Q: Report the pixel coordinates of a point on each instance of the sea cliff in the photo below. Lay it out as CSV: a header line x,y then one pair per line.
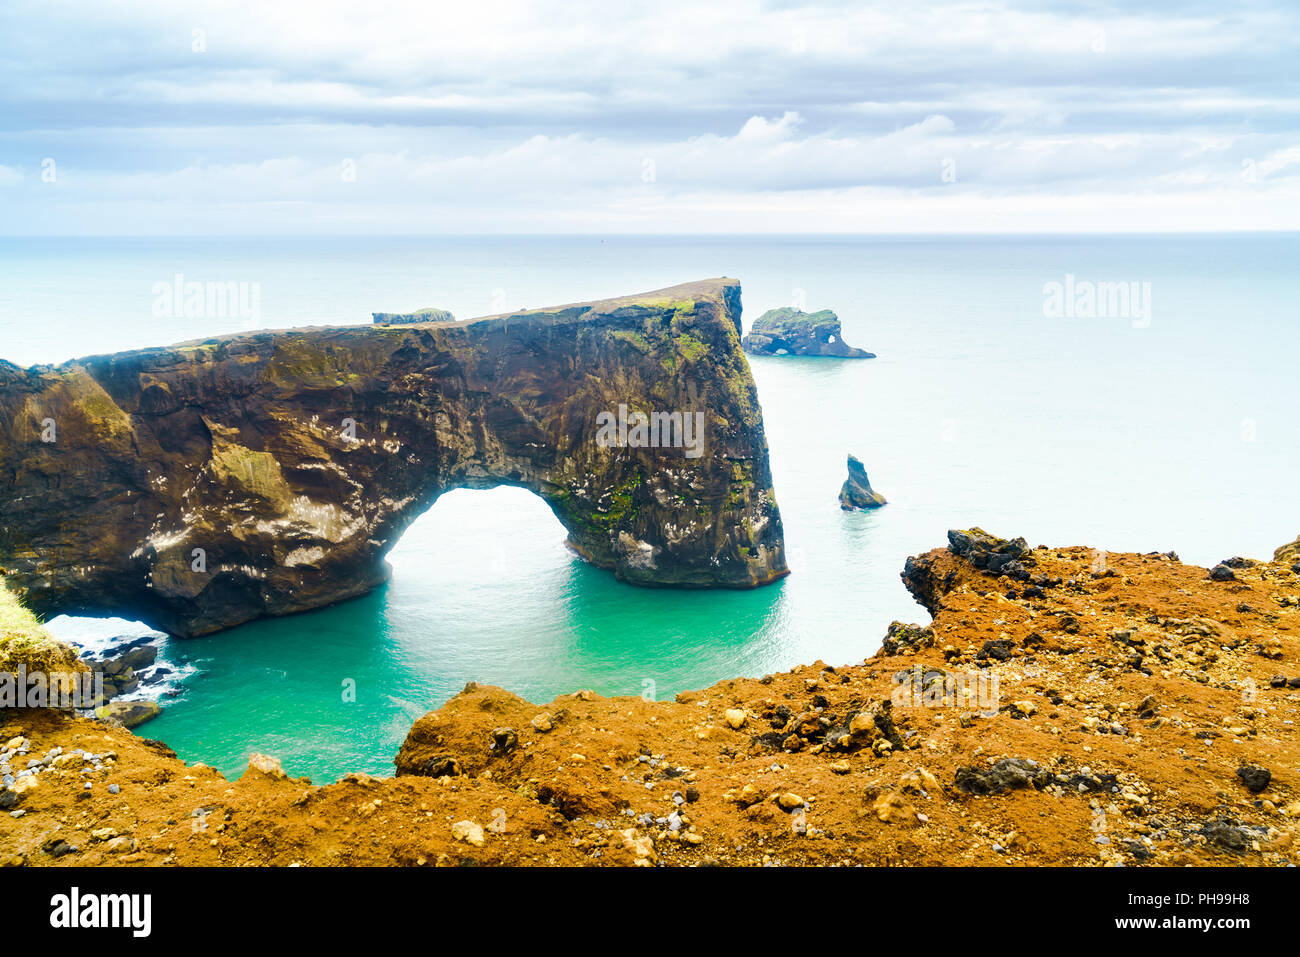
x,y
203,485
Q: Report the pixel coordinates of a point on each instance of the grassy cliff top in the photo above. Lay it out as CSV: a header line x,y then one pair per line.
x,y
787,317
24,640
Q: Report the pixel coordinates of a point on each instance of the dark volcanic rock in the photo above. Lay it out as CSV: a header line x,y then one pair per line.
x,y
1005,775
206,484
504,739
856,493
405,318
1222,573
998,649
140,657
929,577
1255,778
788,331
987,551
900,636
441,765
1230,835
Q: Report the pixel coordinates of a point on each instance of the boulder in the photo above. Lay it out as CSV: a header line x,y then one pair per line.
x,y
133,660
1222,573
468,831
266,766
1290,552
128,714
1254,777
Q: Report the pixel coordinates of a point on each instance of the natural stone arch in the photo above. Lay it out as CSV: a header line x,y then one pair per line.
x,y
293,460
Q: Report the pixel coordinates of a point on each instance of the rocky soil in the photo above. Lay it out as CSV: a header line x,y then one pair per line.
x,y
1143,714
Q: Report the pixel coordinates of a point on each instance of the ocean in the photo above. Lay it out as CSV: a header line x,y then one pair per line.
x,y
1160,417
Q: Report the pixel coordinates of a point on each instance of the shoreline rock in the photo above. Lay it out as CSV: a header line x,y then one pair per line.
x,y
128,714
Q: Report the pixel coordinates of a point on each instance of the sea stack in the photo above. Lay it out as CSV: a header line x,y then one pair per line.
x,y
857,493
406,318
792,332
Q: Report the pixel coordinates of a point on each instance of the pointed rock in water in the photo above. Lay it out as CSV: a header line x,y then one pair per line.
x,y
787,331
203,485
406,318
857,493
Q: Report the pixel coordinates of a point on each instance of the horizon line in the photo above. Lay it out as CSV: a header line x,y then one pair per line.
x,y
911,234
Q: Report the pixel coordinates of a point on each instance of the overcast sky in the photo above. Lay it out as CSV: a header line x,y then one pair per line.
x,y
574,116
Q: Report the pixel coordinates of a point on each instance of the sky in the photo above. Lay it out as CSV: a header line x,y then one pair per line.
x,y
497,116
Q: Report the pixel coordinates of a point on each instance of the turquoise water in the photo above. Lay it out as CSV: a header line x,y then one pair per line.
x,y
1180,434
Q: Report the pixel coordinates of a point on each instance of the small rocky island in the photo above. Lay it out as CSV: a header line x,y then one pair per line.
x,y
408,318
792,332
857,493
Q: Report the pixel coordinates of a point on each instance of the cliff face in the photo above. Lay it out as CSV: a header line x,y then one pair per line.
x,y
203,485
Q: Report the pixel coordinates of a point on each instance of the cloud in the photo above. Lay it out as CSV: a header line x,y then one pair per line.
x,y
240,115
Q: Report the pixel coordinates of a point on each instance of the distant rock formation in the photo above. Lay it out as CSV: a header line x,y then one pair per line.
x,y
1290,552
420,315
206,484
857,493
787,331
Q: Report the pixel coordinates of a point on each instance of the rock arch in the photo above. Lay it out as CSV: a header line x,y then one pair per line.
x,y
207,484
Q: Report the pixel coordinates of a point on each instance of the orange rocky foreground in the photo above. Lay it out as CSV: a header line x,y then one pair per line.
x,y
1064,708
